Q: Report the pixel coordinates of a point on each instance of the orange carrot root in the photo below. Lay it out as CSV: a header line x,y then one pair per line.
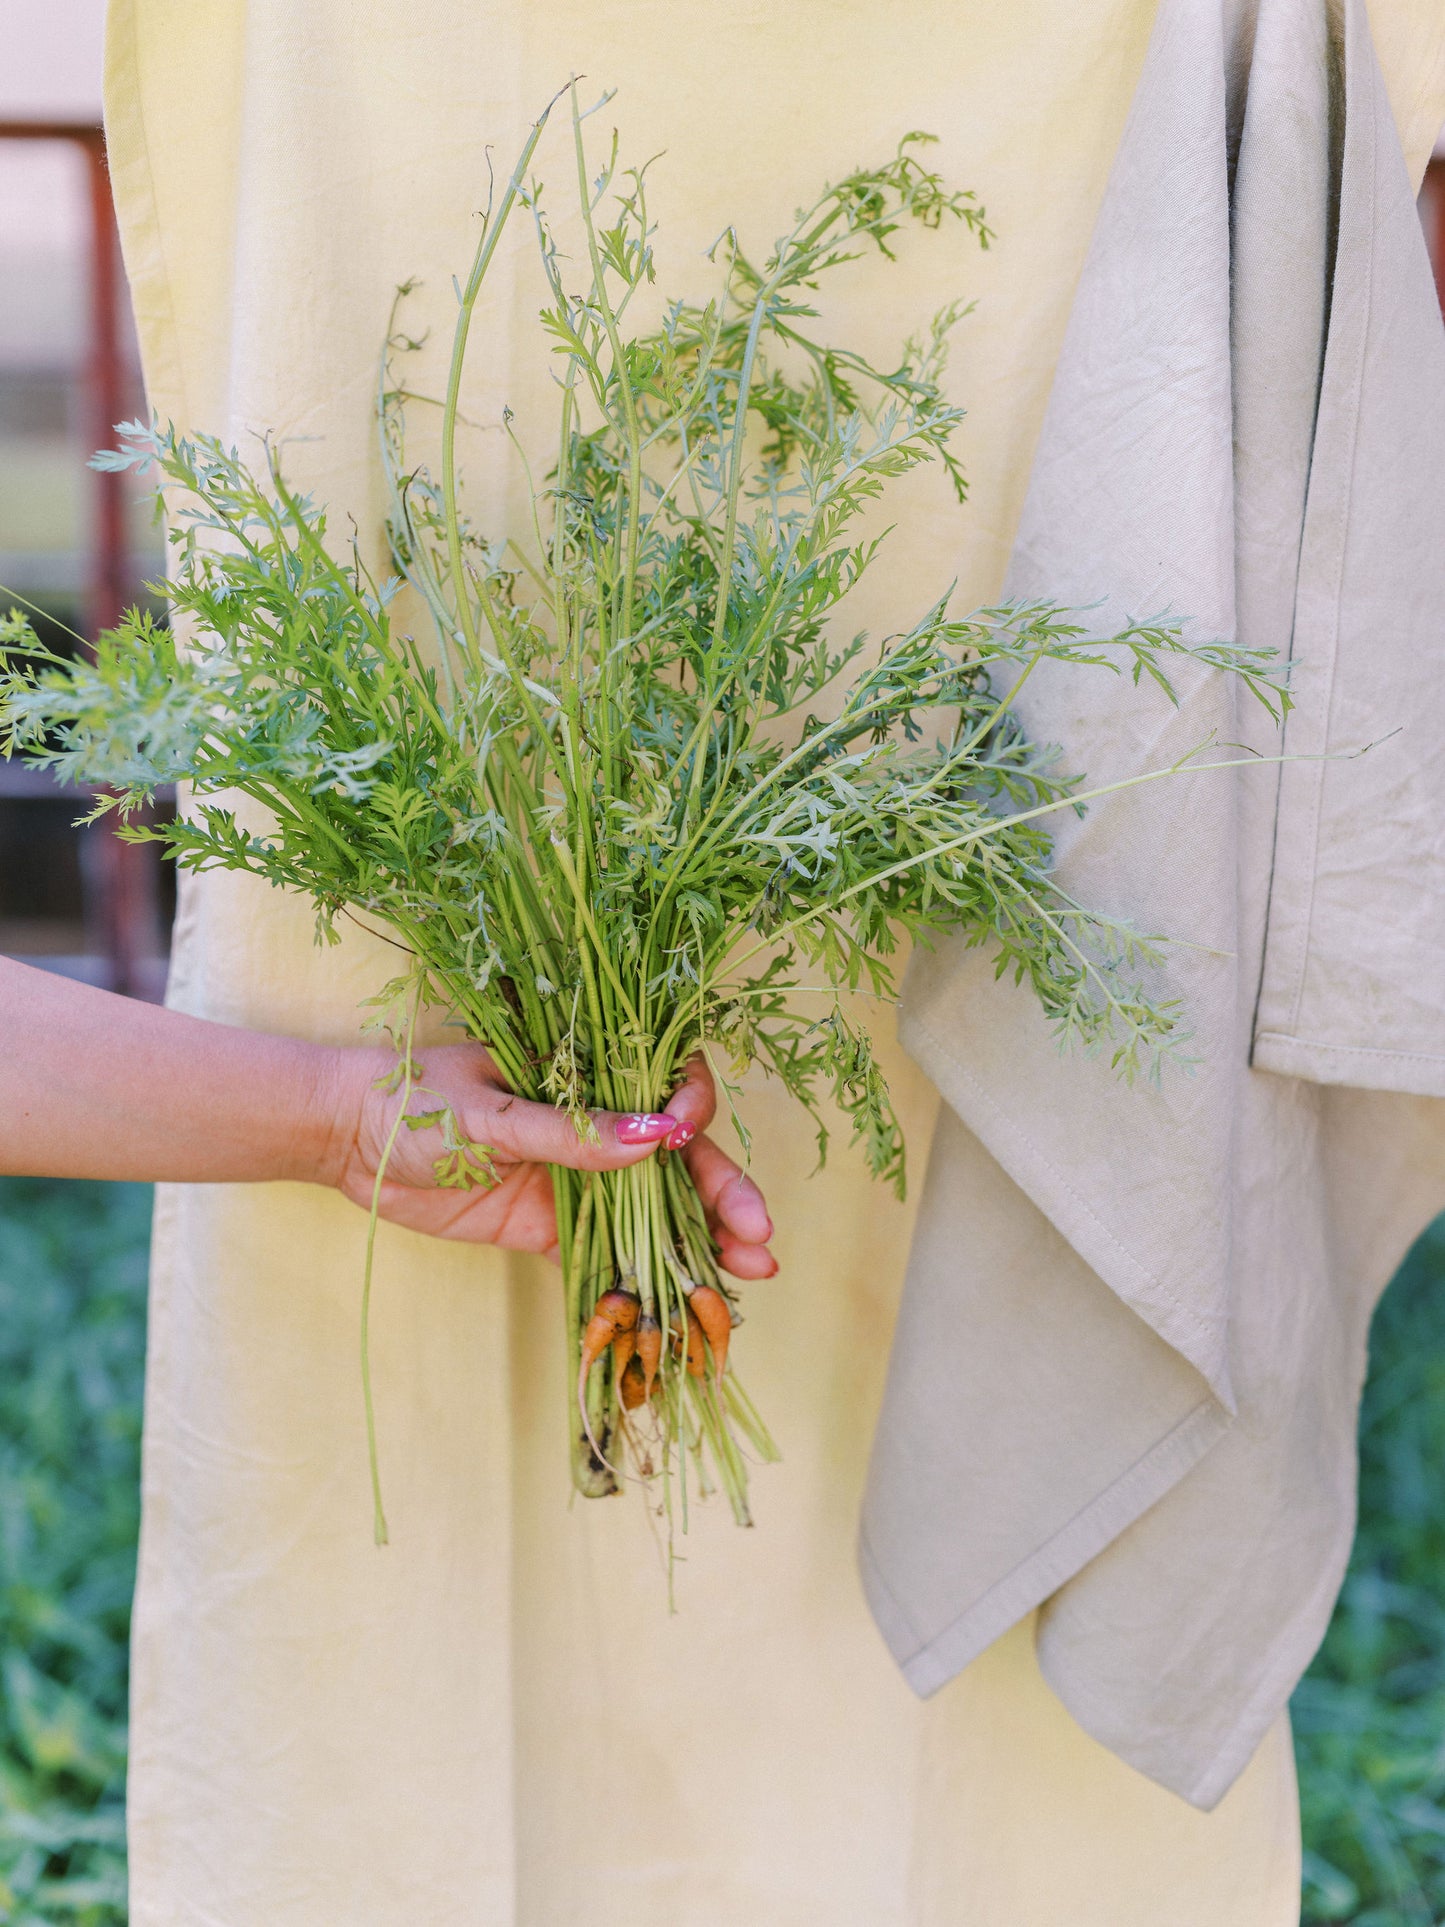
x,y
624,1348
633,1386
696,1344
616,1311
714,1314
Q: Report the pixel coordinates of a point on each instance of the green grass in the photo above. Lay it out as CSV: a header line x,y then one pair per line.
x,y
72,1337
1370,1716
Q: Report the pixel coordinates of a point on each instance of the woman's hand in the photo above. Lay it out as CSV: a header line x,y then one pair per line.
x,y
522,1138
98,1086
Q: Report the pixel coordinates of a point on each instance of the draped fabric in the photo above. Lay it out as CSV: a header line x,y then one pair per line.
x,y
1247,428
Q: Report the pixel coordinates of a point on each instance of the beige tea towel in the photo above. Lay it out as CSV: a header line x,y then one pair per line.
x,y
1142,1410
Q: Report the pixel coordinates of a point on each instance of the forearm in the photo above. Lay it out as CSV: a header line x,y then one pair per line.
x,y
98,1086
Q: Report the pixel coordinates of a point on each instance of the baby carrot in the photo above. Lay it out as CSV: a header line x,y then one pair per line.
x,y
696,1344
615,1311
649,1349
632,1385
714,1314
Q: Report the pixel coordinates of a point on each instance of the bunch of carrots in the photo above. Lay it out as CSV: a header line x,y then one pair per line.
x,y
635,1336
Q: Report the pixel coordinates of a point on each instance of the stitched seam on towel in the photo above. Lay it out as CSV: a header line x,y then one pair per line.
x,y
1159,1447
1353,1050
1189,1317
1312,839
1266,1690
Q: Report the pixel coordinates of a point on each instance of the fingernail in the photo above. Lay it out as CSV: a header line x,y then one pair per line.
x,y
681,1134
645,1127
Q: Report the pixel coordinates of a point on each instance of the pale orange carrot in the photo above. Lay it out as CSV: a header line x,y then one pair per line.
x,y
696,1344
649,1349
632,1385
714,1314
615,1311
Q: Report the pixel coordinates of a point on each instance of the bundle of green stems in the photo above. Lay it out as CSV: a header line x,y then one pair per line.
x,y
634,796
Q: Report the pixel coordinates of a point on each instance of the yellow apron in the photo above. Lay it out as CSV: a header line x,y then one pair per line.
x,y
494,1723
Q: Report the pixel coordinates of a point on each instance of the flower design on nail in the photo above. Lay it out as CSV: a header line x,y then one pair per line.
x,y
644,1127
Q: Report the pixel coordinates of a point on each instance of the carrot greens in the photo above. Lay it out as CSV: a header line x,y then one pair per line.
x,y
634,787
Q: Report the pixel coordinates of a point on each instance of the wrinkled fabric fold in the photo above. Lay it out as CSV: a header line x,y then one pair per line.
x,y
1246,431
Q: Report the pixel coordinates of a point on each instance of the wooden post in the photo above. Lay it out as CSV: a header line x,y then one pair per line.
x,y
105,398
127,907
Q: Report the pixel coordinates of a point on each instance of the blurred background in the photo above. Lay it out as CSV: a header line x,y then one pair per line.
x,y
1370,1716
76,544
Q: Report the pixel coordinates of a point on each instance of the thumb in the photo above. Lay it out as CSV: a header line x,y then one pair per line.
x,y
526,1132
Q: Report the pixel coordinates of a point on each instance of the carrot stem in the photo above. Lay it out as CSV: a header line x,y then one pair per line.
x,y
408,1084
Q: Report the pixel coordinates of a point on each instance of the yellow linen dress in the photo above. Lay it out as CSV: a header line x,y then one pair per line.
x,y
494,1722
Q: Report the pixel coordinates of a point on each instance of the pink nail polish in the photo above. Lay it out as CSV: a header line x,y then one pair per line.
x,y
645,1127
682,1134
